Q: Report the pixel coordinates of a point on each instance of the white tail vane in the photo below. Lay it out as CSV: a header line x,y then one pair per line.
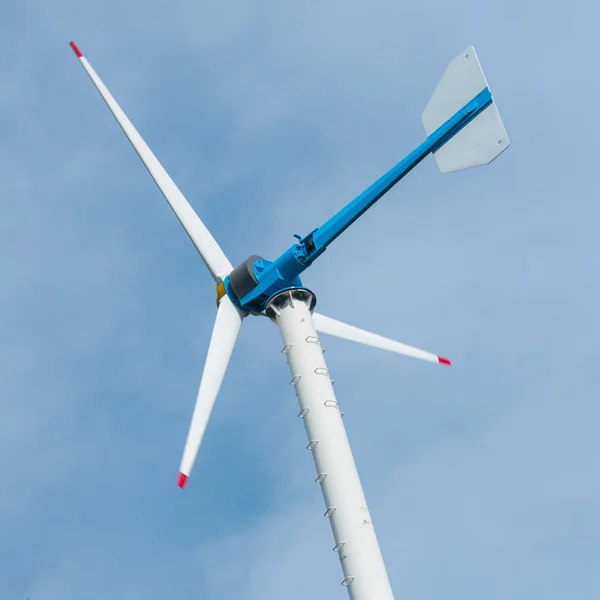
x,y
336,328
482,140
222,342
209,250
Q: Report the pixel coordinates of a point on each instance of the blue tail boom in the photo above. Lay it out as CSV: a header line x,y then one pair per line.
x,y
284,272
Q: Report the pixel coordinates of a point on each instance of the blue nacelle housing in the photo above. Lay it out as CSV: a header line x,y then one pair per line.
x,y
252,284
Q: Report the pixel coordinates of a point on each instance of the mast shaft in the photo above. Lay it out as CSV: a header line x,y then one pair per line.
x,y
346,508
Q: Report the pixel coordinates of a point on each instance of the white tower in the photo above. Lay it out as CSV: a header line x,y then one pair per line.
x,y
345,503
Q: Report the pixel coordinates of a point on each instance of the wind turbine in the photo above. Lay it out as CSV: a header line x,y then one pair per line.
x,y
464,130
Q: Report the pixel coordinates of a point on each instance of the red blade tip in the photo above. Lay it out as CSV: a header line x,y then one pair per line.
x,y
76,49
444,361
182,480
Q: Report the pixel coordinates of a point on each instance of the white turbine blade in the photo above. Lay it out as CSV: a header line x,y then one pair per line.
x,y
354,334
209,250
224,335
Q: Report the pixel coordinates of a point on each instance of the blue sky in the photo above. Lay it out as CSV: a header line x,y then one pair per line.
x,y
482,479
